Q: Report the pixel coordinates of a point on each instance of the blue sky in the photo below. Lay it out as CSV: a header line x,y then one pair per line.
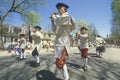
x,y
97,12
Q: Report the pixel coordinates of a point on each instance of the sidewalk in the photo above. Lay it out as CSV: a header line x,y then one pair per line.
x,y
4,53
112,55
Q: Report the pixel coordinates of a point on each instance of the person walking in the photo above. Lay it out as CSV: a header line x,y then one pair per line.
x,y
22,46
99,43
36,36
62,25
84,46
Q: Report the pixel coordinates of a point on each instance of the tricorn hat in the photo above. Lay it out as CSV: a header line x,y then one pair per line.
x,y
97,35
84,28
61,4
22,35
37,27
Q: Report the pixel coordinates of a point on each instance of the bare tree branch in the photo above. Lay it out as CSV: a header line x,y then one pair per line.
x,y
19,5
13,3
18,12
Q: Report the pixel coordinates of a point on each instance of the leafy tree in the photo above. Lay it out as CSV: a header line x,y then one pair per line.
x,y
115,30
92,31
16,6
81,23
33,19
91,28
116,12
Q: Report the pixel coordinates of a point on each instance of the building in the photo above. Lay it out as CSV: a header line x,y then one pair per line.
x,y
12,32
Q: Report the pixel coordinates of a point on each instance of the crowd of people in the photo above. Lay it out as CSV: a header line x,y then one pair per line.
x,y
62,24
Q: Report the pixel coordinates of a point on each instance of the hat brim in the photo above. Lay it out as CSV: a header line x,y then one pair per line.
x,y
37,27
84,28
62,4
22,35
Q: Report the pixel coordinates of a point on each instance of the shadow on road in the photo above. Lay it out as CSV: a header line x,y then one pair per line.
x,y
74,65
18,58
100,69
46,75
31,63
92,54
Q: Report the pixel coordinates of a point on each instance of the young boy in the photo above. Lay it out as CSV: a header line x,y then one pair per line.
x,y
22,46
16,47
84,45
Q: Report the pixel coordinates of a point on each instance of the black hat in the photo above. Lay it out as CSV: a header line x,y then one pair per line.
x,y
97,35
61,4
22,35
37,27
84,28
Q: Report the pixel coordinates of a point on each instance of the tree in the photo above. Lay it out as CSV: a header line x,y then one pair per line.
x,y
92,31
16,6
91,28
116,12
115,30
32,19
81,23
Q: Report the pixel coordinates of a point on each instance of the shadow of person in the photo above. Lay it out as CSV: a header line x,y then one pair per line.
x,y
92,54
46,75
18,58
73,65
31,63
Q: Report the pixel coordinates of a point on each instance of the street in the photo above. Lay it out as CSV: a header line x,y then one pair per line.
x,y
105,68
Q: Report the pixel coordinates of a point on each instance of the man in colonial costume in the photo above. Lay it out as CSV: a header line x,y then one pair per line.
x,y
99,44
62,25
36,36
84,46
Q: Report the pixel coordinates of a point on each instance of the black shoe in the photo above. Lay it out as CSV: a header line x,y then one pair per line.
x,y
24,58
38,64
12,55
21,59
99,56
59,79
84,68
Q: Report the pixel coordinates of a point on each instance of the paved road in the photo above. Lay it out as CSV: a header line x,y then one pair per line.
x,y
106,68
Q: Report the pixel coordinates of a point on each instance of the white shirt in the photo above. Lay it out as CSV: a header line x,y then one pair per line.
x,y
64,24
99,41
37,36
84,41
22,43
16,43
